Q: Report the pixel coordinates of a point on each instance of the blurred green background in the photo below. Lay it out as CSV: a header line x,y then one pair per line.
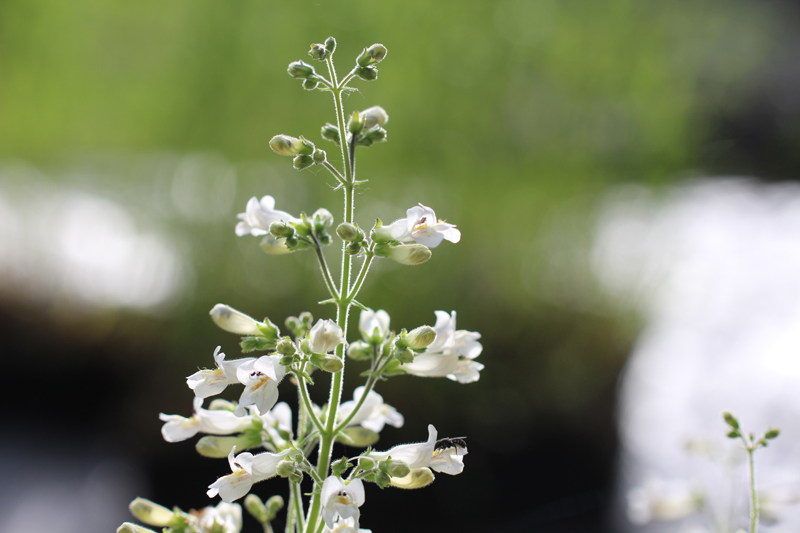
x,y
512,119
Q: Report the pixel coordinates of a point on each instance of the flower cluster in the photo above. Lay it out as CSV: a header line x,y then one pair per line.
x,y
258,434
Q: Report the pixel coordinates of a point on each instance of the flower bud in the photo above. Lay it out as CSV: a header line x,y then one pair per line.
x,y
218,404
419,338
340,466
151,513
325,336
280,229
356,123
406,254
330,133
374,135
772,433
320,156
289,146
329,363
286,346
730,419
286,468
128,527
310,84
382,479
306,318
330,45
300,70
302,161
218,447
234,321
416,479
274,504
322,219
318,52
375,116
354,248
349,232
367,73
359,436
360,350
405,355
366,463
372,55
256,508
395,468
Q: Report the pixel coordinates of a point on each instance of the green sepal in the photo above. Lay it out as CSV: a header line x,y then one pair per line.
x,y
328,301
360,305
261,344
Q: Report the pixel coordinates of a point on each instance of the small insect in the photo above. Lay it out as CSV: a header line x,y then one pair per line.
x,y
455,442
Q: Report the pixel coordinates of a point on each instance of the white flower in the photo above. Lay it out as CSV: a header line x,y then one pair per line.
x,y
207,382
374,325
259,215
662,501
442,458
214,422
247,469
374,116
341,500
345,525
277,420
325,336
451,354
226,517
235,321
373,414
421,226
260,378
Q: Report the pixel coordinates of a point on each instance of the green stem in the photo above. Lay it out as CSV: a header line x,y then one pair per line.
x,y
361,276
298,505
753,495
323,266
290,518
367,388
302,386
333,170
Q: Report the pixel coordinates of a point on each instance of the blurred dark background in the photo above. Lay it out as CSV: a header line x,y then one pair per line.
x,y
131,133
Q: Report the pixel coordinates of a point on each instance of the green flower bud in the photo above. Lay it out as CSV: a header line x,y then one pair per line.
x,y
405,355
356,123
285,346
318,52
382,479
300,70
372,55
274,504
289,146
218,447
322,219
419,338
296,477
280,229
330,45
366,463
395,468
772,433
348,232
406,254
256,508
416,479
340,466
306,318
151,513
360,437
733,434
128,527
320,156
330,133
329,363
367,73
354,248
286,468
310,84
375,135
303,161
218,404
730,419
360,350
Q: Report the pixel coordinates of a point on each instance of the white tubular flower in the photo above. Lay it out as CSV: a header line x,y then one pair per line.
x,y
340,500
325,336
374,325
345,525
224,518
420,226
451,354
247,469
213,422
260,378
259,215
662,501
373,415
207,382
442,456
235,321
276,421
374,116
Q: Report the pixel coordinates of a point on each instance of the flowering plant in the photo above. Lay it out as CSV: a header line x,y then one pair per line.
x,y
258,420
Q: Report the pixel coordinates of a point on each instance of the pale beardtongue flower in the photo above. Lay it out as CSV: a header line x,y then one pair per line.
x,y
345,525
246,469
260,378
662,501
224,518
208,382
214,422
451,354
373,414
374,116
374,325
448,460
420,226
325,336
259,215
234,321
341,500
276,420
